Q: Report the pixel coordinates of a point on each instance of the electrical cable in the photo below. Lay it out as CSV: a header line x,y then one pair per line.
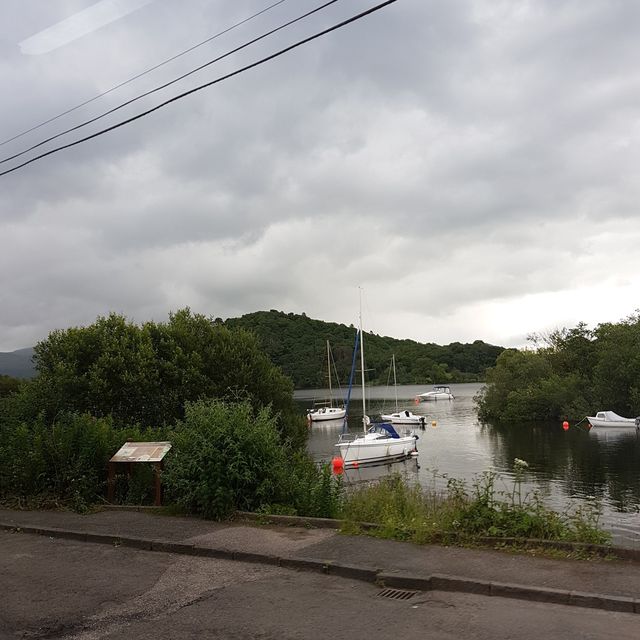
x,y
142,73
167,84
324,32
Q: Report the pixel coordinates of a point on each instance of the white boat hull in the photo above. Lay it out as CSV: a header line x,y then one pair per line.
x,y
611,420
328,413
402,418
426,397
626,423
363,451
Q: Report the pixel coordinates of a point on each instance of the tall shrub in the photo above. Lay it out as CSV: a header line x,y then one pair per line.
x,y
227,456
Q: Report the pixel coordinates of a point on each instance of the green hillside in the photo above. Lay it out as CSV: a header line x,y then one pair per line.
x,y
297,344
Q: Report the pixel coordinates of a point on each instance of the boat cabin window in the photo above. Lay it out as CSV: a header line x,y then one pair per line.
x,y
600,415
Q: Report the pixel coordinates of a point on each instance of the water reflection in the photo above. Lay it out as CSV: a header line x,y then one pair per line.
x,y
575,465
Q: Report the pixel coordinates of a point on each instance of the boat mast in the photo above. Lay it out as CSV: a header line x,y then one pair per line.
x,y
364,405
329,372
395,384
351,376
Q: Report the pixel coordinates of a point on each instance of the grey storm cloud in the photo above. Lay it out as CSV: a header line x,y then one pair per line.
x,y
469,163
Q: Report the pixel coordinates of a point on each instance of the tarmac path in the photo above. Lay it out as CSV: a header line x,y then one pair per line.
x,y
57,588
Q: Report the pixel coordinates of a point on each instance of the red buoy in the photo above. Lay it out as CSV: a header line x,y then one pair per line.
x,y
337,464
565,425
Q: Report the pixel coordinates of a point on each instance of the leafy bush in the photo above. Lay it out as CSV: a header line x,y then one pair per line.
x,y
226,456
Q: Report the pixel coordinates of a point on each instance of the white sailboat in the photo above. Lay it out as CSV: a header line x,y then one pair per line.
x,y
401,417
327,411
378,442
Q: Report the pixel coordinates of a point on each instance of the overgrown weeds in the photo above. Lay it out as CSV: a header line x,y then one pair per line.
x,y
62,465
463,513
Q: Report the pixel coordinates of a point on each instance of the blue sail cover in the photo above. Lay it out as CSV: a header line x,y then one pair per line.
x,y
384,426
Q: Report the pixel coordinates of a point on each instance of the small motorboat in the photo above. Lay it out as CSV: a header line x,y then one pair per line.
x,y
439,392
404,417
609,419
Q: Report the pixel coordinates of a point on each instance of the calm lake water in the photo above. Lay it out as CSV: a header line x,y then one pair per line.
x,y
571,467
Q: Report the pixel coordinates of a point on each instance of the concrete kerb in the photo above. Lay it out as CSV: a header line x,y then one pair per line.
x,y
434,582
404,581
294,521
532,543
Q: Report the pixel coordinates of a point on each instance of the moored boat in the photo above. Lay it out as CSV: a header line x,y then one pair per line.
x,y
439,392
404,417
328,411
401,417
610,419
381,443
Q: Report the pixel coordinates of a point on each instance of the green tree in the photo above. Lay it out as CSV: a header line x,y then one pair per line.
x,y
571,373
616,374
8,385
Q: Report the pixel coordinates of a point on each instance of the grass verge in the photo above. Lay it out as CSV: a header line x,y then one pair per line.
x,y
463,514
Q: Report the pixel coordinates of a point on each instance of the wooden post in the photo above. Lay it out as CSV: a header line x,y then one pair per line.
x,y
157,467
111,481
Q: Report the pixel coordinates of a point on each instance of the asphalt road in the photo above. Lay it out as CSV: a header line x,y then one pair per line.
x,y
54,588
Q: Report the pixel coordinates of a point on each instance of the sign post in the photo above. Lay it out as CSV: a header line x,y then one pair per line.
x,y
134,452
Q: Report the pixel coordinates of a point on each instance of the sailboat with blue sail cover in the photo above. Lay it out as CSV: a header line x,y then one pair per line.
x,y
379,442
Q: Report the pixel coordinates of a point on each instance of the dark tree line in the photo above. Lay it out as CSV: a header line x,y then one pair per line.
x,y
297,344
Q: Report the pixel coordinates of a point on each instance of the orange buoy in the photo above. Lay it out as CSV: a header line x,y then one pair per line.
x,y
434,424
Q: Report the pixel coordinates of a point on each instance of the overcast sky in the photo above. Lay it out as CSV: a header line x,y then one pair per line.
x,y
472,164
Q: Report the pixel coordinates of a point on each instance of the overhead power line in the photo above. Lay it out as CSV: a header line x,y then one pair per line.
x,y
167,84
277,54
142,73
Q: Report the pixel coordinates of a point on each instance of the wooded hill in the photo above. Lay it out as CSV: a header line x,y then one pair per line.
x,y
297,344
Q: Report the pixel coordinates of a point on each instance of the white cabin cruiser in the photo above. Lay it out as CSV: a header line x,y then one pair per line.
x,y
439,392
609,419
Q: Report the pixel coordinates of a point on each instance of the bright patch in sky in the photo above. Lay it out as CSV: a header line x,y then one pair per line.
x,y
79,24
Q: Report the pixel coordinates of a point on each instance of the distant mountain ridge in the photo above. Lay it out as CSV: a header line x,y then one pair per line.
x,y
297,344
17,364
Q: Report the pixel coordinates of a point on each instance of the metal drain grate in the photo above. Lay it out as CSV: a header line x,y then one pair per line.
x,y
396,594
